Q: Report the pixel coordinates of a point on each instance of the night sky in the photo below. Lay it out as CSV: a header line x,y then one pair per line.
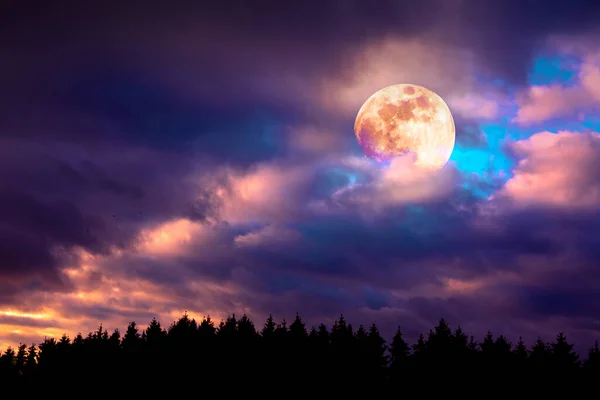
x,y
162,158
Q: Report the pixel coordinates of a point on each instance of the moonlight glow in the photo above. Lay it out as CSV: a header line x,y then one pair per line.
x,y
406,118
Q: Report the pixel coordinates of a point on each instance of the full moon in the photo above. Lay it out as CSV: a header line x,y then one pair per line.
x,y
403,119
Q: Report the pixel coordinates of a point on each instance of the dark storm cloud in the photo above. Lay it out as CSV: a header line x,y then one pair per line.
x,y
56,197
413,235
553,301
122,62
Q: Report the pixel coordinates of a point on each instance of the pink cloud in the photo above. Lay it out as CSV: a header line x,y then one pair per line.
x,y
542,103
268,192
556,169
590,78
475,105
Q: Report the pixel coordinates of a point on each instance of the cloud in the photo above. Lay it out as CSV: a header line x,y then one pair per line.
x,y
546,102
57,197
553,170
390,61
316,141
542,103
475,106
267,192
269,235
402,182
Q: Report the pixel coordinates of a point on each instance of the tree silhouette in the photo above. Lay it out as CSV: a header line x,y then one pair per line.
x,y
30,362
246,329
297,350
341,342
132,340
298,329
269,327
188,351
20,359
439,346
154,336
502,353
463,349
520,355
488,350
377,360
7,364
420,353
539,355
399,355
562,354
592,364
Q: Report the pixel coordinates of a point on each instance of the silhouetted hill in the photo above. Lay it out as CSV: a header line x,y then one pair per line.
x,y
236,352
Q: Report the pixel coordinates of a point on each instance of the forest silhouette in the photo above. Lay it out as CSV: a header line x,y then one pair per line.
x,y
237,352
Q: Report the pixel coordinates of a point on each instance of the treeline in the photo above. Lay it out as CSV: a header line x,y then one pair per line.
x,y
236,351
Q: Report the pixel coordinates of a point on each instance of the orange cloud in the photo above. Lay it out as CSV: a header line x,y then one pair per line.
x,y
112,290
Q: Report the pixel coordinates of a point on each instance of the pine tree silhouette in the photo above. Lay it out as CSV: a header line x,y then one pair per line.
x,y
592,364
488,350
269,327
207,329
31,362
115,339
298,329
420,359
502,354
463,351
7,364
246,329
378,360
440,345
562,355
20,359
298,350
520,354
539,355
399,356
154,335
235,351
